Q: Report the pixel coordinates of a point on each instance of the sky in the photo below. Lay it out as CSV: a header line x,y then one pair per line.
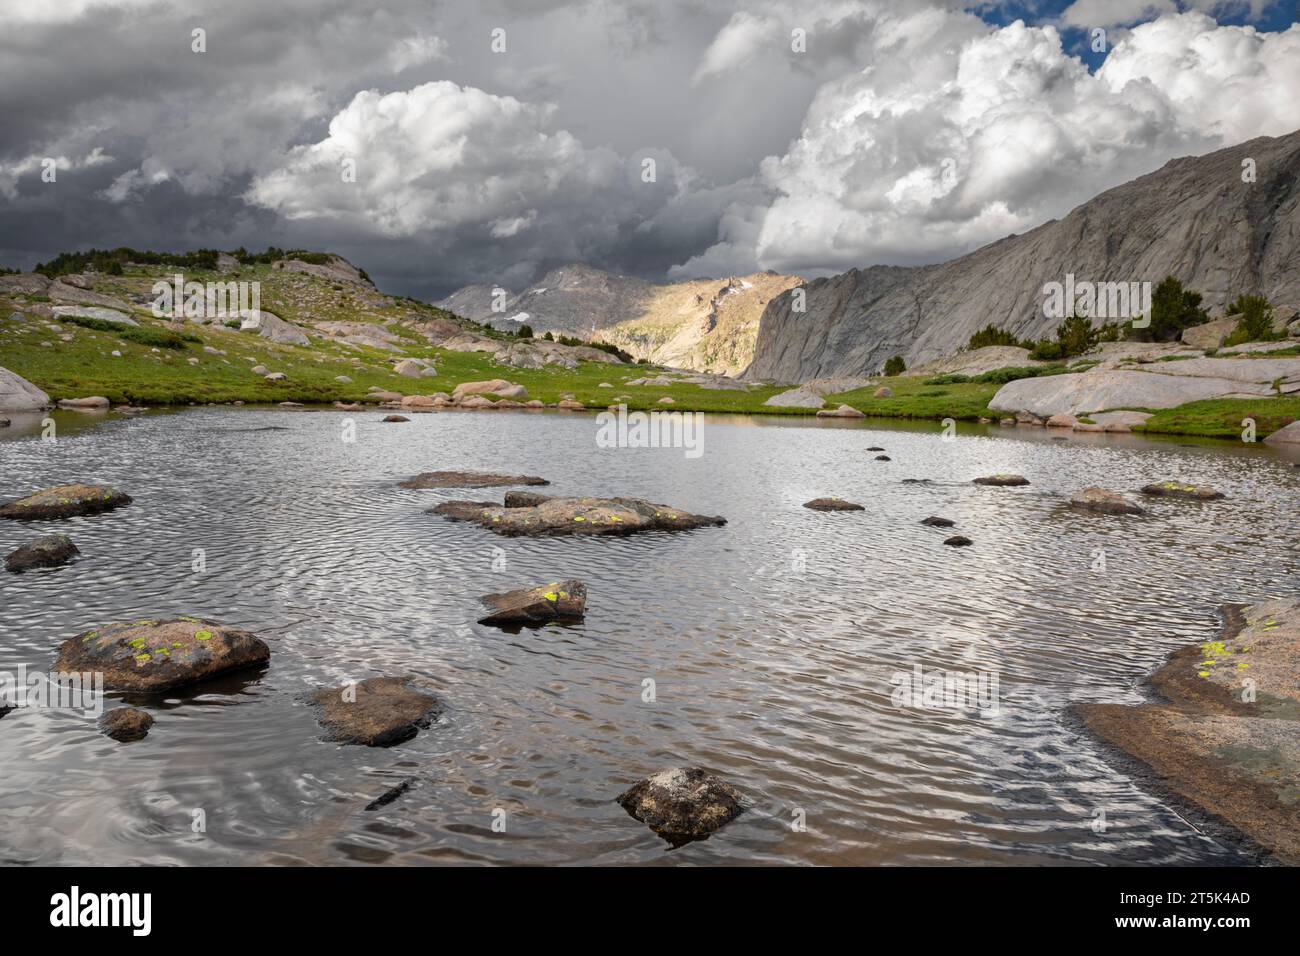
x,y
446,143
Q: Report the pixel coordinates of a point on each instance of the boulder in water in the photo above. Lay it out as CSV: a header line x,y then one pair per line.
x,y
833,504
47,552
65,501
126,724
151,656
682,804
378,712
1180,489
469,479
1106,502
546,517
1002,481
559,600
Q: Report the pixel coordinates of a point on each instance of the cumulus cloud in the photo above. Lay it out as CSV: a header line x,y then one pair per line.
x,y
957,133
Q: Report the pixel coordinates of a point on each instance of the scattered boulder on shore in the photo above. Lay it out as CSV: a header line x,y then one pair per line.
x,y
377,712
48,552
936,522
546,516
1062,420
844,411
1106,502
126,724
559,600
1179,489
469,479
833,504
151,656
19,395
682,804
801,397
1003,481
65,501
958,541
1288,435
495,386
91,402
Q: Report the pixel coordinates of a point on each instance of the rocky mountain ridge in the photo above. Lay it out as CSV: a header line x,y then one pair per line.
x,y
1196,218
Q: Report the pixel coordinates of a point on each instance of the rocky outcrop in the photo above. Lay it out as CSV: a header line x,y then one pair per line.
x,y
469,479
976,362
271,327
151,656
126,724
116,316
48,552
19,395
1220,731
334,269
1180,220
65,501
557,601
683,804
378,712
1099,389
542,516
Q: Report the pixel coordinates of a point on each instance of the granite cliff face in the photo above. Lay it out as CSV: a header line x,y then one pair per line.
x,y
1194,218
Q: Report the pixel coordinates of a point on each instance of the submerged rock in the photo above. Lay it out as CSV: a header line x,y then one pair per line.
x,y
833,504
1003,481
545,516
377,712
682,804
1107,502
1178,489
158,655
469,479
958,541
65,501
936,522
559,600
395,418
391,794
126,724
47,552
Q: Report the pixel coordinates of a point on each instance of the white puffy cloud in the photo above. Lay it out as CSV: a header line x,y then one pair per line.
x,y
956,133
36,164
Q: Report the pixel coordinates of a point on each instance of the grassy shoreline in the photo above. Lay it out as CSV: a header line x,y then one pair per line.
x,y
177,364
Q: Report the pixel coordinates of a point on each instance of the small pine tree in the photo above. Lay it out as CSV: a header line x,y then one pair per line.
x,y
895,366
1256,322
525,332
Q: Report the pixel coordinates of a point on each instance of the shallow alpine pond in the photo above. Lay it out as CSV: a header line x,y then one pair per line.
x,y
773,651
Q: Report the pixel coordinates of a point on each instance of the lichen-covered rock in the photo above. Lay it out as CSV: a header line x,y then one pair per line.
x,y
126,724
65,501
833,504
1180,489
377,712
469,479
47,552
559,600
1107,502
151,656
545,516
682,804
1002,481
